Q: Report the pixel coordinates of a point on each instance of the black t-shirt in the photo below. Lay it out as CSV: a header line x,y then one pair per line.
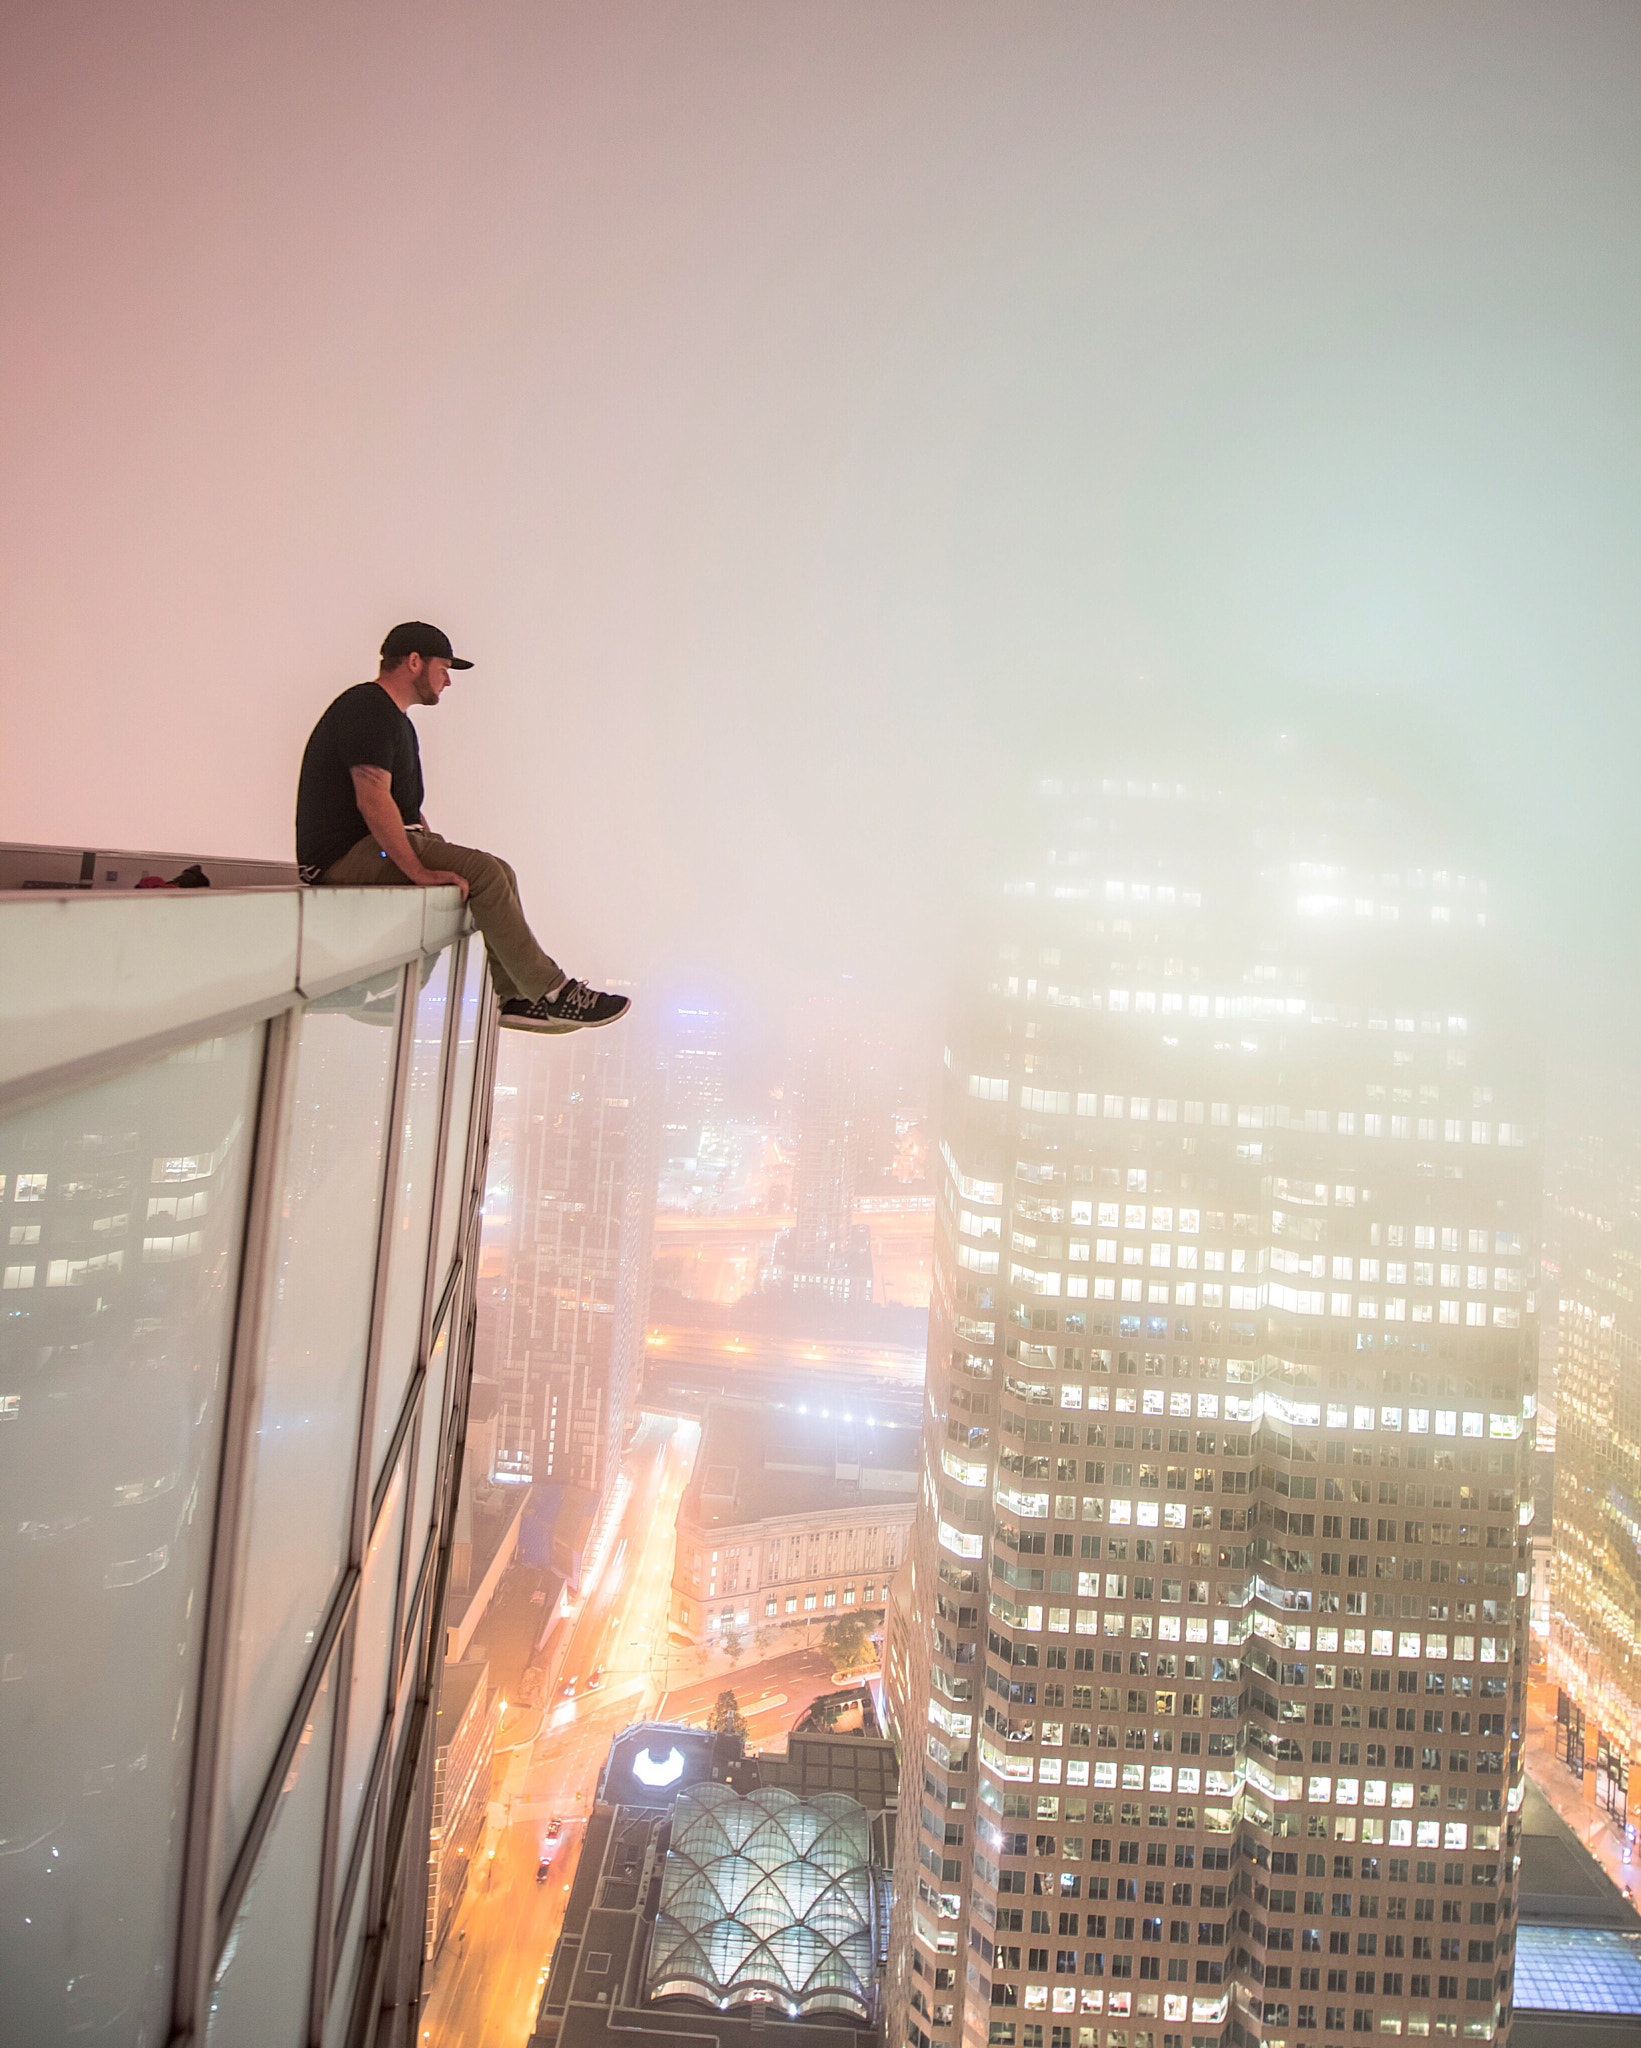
x,y
364,728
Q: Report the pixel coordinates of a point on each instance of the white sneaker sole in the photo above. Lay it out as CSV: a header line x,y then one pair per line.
x,y
535,1024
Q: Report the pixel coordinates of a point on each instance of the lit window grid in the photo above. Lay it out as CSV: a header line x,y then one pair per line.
x,y
1504,1427
1596,1587
1411,1032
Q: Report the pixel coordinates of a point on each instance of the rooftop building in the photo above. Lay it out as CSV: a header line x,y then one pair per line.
x,y
769,1898
1578,1942
243,1132
727,1898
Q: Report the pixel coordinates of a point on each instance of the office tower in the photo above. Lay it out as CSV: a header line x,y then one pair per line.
x,y
694,1080
824,1252
1212,1684
242,1139
1595,1577
565,1314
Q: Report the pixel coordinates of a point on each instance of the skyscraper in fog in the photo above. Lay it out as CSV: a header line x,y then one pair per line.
x,y
1218,1585
824,1182
825,1254
694,1079
562,1324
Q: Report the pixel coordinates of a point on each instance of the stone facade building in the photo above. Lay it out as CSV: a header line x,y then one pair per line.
x,y
789,1518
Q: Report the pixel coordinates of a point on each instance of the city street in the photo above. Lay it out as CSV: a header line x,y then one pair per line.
x,y
771,1695
488,1977
758,1351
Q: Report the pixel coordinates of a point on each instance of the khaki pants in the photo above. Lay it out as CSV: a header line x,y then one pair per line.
x,y
518,966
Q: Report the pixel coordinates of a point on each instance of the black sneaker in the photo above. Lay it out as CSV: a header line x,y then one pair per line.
x,y
572,1009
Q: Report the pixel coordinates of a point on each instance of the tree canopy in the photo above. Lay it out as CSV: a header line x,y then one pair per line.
x,y
726,1717
845,1639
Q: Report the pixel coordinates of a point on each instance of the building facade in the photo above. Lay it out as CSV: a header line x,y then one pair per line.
x,y
562,1324
785,1521
1595,1563
463,1757
1218,1584
242,1150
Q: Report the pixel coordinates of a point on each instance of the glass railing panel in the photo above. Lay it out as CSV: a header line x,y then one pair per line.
x,y
428,1457
461,1104
123,1213
347,1967
372,1646
259,1998
412,1209
407,1693
303,1453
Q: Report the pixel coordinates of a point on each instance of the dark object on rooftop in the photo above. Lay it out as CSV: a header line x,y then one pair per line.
x,y
193,877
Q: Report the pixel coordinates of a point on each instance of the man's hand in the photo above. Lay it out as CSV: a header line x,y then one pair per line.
x,y
373,792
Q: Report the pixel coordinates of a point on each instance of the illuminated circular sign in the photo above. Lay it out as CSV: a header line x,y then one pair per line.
x,y
650,1769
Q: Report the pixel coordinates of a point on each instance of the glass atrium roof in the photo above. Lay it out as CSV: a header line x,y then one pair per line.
x,y
767,1899
1577,1969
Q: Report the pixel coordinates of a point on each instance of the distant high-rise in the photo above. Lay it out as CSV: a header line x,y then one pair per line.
x,y
694,1079
824,1189
1213,1666
563,1309
824,1253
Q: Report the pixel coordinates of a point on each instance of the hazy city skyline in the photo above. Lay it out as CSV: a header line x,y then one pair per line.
x,y
815,422
1053,595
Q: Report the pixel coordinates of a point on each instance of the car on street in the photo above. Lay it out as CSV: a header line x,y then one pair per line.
x,y
568,1690
595,1679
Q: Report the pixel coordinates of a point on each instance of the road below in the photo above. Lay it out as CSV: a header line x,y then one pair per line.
x,y
488,1977
771,1695
486,1982
765,1351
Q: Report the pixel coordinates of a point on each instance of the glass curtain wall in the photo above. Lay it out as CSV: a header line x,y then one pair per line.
x,y
234,1356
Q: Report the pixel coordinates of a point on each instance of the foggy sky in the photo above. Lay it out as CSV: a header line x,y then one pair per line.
x,y
815,419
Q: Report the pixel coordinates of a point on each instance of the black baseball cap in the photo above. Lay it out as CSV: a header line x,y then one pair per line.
x,y
415,636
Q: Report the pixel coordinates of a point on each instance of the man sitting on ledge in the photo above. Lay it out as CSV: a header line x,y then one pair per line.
x,y
359,822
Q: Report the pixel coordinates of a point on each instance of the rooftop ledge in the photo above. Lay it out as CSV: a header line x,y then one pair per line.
x,y
95,971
